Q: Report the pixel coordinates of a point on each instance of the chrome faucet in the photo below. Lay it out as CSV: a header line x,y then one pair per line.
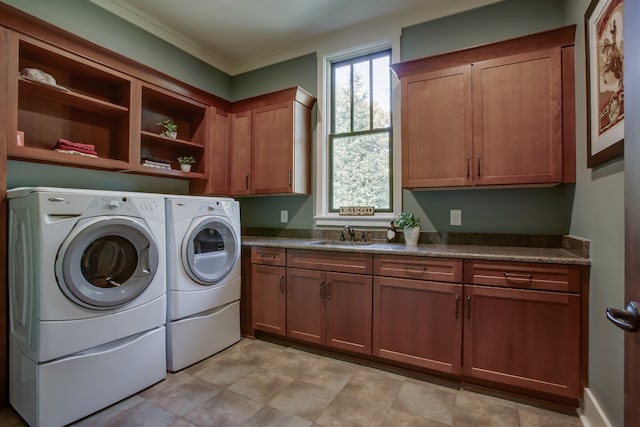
x,y
348,231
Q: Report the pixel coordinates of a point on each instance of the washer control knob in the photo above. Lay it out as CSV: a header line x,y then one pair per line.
x,y
113,205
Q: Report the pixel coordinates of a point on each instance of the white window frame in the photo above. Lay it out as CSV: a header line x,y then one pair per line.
x,y
322,215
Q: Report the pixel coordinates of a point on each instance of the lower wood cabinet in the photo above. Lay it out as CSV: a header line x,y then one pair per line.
x,y
418,322
523,338
330,308
268,290
520,327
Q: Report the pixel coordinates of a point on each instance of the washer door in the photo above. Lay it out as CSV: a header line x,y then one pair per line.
x,y
105,262
210,250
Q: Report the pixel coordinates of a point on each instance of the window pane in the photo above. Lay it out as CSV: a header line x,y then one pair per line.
x,y
342,99
381,92
361,171
361,96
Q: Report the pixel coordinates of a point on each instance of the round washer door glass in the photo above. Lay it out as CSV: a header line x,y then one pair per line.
x,y
210,250
106,262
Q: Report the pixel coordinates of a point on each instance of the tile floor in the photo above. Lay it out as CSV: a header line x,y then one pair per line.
x,y
259,383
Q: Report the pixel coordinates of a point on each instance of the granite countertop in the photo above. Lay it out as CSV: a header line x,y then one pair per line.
x,y
485,252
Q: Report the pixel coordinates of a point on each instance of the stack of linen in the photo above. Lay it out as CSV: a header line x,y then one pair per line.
x,y
69,147
155,162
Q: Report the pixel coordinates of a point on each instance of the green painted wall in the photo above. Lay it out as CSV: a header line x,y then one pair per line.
x,y
598,215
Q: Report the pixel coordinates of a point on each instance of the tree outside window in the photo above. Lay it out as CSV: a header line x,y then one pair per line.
x,y
360,143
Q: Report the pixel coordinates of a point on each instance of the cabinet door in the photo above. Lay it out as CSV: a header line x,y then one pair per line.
x,y
268,293
240,178
218,182
348,304
306,290
436,129
522,338
418,322
517,119
273,148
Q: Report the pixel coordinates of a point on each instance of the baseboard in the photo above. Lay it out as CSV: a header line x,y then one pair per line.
x,y
591,414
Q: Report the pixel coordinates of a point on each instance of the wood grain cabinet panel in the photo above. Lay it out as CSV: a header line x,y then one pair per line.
x,y
418,322
269,298
493,115
240,167
420,268
522,338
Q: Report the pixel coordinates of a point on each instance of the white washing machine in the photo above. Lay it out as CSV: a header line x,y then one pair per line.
x,y
203,278
87,300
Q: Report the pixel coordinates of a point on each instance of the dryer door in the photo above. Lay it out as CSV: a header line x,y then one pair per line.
x,y
210,250
106,262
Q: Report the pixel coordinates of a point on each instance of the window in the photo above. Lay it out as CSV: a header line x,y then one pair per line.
x,y
360,137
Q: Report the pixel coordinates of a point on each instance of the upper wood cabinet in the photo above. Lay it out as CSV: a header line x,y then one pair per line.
x,y
271,144
492,115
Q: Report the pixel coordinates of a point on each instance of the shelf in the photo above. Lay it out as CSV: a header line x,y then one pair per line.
x,y
51,156
168,173
171,141
69,98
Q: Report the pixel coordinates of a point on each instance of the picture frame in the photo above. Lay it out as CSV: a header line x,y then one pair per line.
x,y
603,22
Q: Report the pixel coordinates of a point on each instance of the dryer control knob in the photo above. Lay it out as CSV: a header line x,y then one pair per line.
x,y
113,205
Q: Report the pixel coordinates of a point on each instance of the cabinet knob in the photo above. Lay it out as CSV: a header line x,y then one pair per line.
x,y
478,165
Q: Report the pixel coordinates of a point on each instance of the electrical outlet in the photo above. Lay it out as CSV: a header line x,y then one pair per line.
x,y
455,217
284,216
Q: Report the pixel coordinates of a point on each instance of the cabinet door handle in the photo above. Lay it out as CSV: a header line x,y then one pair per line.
x,y
457,306
478,165
468,306
282,284
289,179
527,276
322,289
408,267
468,166
246,182
329,289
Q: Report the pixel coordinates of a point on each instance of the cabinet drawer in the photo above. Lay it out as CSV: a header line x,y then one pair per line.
x,y
548,277
268,256
421,268
342,262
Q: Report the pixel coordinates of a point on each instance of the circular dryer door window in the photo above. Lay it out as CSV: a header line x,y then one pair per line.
x,y
210,250
106,262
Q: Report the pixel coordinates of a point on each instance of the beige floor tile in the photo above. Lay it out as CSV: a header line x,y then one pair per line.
x,y
536,417
181,394
346,411
144,414
224,371
478,411
426,400
10,418
329,373
374,387
100,418
398,418
180,422
272,417
224,409
255,353
260,384
293,362
303,400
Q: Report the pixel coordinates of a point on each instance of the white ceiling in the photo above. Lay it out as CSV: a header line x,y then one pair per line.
x,y
240,35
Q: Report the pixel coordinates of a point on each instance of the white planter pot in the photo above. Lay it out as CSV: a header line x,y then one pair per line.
x,y
411,235
185,168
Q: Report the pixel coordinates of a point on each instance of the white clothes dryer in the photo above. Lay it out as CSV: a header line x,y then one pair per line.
x,y
87,300
203,278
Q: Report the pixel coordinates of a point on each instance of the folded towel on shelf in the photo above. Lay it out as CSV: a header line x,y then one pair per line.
x,y
158,165
60,150
64,146
156,159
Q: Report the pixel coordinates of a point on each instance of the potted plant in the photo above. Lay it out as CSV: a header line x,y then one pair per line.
x,y
186,162
170,129
410,226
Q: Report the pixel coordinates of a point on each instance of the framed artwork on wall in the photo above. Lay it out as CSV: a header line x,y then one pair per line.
x,y
605,83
